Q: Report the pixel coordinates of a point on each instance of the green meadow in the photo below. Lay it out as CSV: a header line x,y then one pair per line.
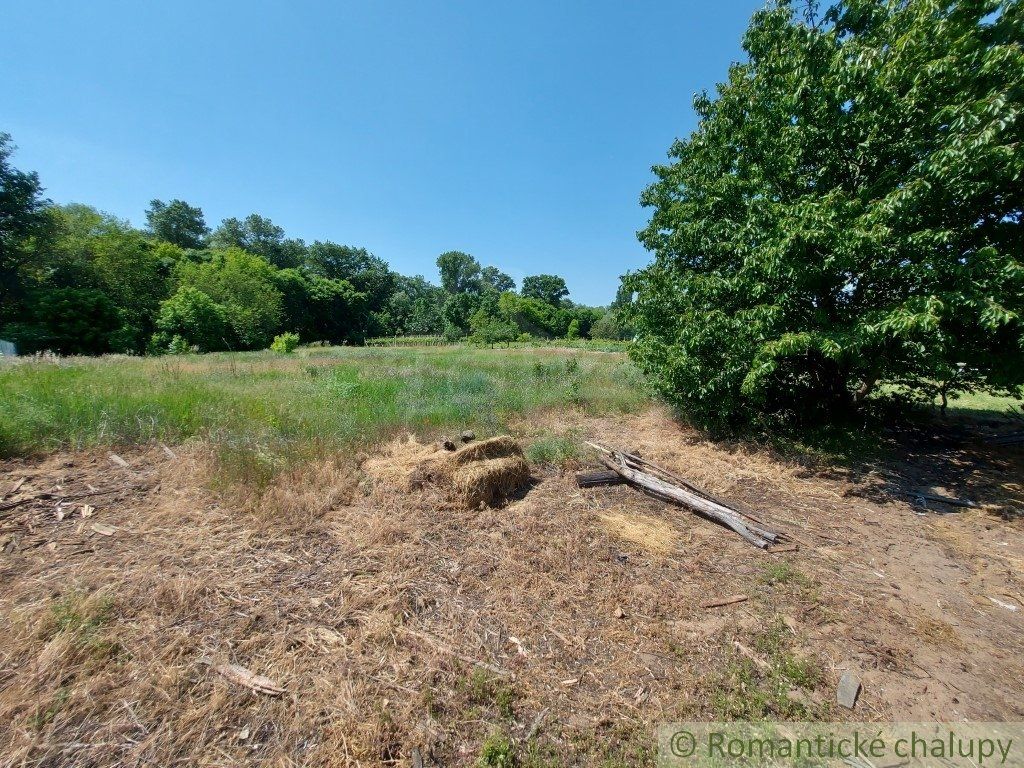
x,y
283,407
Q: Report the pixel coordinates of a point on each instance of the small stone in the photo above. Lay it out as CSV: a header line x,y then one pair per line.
x,y
619,613
448,444
468,436
848,690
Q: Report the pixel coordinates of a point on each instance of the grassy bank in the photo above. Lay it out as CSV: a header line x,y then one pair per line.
x,y
277,408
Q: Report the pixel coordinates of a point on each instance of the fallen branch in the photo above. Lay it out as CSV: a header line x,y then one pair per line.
x,y
664,485
724,601
953,502
51,496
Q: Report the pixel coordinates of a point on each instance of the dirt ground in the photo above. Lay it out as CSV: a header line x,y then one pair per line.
x,y
561,627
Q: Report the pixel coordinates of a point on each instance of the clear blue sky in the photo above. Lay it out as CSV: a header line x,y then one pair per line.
x,y
521,132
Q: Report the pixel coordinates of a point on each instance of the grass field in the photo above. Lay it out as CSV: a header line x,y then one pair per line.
x,y
272,409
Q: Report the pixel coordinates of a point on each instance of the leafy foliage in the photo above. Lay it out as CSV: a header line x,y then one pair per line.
x,y
243,285
177,223
847,213
193,316
550,289
460,272
285,343
23,220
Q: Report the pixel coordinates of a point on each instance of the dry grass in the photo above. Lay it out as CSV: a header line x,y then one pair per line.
x,y
651,533
396,619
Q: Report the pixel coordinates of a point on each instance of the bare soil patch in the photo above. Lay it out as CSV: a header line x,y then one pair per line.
x,y
567,622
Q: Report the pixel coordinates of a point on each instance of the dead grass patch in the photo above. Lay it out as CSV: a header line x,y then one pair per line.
x,y
395,619
651,533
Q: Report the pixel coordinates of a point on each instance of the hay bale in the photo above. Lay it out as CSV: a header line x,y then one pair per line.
x,y
492,448
489,481
486,472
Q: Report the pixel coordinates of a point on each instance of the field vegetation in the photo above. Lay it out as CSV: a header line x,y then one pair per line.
x,y
264,410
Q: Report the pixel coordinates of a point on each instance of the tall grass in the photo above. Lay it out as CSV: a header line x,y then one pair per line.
x,y
272,409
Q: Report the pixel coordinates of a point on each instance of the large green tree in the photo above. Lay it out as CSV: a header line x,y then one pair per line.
x,y
848,213
550,289
23,221
177,222
460,272
245,286
262,237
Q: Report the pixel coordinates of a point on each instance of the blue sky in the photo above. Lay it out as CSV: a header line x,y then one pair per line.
x,y
522,132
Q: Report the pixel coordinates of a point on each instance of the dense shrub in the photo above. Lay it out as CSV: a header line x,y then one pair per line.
x,y
285,343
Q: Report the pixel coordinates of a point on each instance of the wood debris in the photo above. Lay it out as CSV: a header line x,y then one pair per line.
x,y
598,477
14,488
242,676
1012,438
760,663
730,600
662,484
103,529
923,498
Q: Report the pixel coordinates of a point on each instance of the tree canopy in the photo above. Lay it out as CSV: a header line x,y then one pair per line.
x,y
550,289
177,223
78,281
846,215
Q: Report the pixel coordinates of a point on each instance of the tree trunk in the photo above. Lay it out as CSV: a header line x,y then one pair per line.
x,y
866,388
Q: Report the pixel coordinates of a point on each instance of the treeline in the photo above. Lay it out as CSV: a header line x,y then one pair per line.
x,y
78,281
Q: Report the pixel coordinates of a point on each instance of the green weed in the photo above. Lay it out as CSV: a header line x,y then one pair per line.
x,y
555,450
497,752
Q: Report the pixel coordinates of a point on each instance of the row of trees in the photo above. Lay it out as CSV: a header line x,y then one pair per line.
x,y
847,217
77,281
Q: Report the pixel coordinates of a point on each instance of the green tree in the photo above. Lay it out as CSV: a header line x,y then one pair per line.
x,y
368,274
494,279
457,310
177,223
847,213
490,329
244,285
607,327
23,222
550,289
533,316
319,308
460,272
260,236
573,332
68,321
193,316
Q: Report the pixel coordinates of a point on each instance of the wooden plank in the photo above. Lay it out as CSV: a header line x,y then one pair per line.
x,y
598,477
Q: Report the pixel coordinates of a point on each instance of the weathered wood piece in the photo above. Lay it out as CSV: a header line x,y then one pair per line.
x,y
730,600
598,477
635,471
242,676
952,501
